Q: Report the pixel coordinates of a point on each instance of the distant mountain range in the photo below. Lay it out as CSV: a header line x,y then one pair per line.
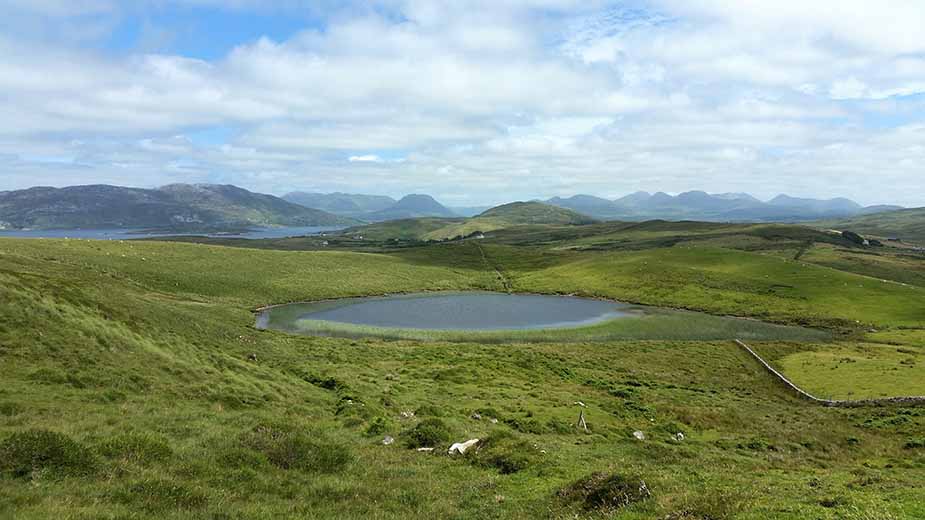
x,y
347,204
204,206
177,206
723,207
639,206
372,208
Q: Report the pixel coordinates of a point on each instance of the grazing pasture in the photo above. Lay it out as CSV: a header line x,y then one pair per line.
x,y
135,385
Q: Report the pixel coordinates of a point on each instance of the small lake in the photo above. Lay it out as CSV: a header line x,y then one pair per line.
x,y
130,234
470,311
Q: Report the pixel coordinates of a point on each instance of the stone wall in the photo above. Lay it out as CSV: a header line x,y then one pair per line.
x,y
890,401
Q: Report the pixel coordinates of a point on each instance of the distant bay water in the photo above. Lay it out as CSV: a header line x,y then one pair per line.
x,y
132,234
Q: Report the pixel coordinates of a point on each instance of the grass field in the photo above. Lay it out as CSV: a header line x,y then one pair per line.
x,y
858,371
135,386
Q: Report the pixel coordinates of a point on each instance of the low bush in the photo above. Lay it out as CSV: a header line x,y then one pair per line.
x,y
286,448
505,452
143,448
428,410
428,433
526,425
605,492
25,453
10,409
378,426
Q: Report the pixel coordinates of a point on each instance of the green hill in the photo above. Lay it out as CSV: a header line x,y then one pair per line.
x,y
501,217
906,224
174,206
537,213
402,229
511,215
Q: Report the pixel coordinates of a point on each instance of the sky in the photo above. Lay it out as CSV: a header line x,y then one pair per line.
x,y
473,102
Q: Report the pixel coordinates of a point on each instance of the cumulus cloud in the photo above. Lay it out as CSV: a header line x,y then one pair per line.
x,y
513,99
365,158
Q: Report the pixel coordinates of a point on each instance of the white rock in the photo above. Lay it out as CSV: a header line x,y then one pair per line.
x,y
461,447
679,436
639,435
388,440
427,450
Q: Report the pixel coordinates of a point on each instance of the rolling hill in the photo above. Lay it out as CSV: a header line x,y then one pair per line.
x,y
906,224
173,206
500,217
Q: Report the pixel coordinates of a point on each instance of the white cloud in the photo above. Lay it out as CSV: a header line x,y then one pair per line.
x,y
365,158
516,99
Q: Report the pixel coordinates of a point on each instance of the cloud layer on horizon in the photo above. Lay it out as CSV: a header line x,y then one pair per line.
x,y
478,104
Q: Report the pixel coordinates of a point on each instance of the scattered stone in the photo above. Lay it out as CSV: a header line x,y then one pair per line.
x,y
476,416
493,420
425,450
407,415
461,447
252,357
679,436
388,441
639,435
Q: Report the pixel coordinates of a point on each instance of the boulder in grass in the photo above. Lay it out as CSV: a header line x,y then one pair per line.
x,y
461,447
639,436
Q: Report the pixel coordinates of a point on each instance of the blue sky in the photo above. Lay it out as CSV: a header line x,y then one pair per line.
x,y
473,102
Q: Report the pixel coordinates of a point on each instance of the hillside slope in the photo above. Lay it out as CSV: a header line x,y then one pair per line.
x,y
906,224
177,205
510,215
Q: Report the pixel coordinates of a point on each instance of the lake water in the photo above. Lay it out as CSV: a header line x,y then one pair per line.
x,y
451,311
130,234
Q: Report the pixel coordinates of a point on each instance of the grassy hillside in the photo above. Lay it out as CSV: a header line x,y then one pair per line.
x,y
511,215
435,229
907,224
135,386
403,229
724,281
